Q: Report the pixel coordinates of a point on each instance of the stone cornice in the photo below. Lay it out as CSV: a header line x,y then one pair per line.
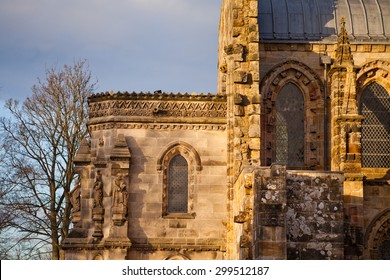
x,y
158,126
155,96
157,108
177,247
89,244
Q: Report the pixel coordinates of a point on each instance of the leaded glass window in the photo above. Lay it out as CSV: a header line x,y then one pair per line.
x,y
289,129
178,185
281,138
375,138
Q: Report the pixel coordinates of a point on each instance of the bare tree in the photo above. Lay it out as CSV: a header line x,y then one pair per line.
x,y
39,143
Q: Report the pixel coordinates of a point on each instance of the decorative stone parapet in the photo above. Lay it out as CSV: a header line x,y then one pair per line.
x,y
157,107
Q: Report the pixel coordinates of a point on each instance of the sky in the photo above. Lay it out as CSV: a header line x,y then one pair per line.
x,y
130,45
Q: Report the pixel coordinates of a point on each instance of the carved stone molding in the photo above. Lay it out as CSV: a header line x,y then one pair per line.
x,y
119,200
375,64
157,126
98,218
182,148
121,151
75,199
211,247
151,108
374,71
194,164
83,155
312,88
157,95
377,233
302,74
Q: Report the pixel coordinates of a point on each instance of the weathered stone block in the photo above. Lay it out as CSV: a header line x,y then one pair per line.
x,y
240,77
254,131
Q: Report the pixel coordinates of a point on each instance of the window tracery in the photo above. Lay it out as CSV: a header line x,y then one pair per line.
x,y
289,128
177,185
377,239
375,139
299,78
179,164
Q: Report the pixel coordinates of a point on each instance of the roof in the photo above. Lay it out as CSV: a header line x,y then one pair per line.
x,y
315,20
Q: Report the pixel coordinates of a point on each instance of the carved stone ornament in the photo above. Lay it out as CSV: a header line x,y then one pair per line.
x,y
98,210
242,217
170,105
83,155
120,152
75,195
119,200
98,191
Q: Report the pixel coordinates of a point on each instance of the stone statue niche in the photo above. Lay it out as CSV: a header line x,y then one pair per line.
x,y
98,191
98,210
119,200
120,165
75,196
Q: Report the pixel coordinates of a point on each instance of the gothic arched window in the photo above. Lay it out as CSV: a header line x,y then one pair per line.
x,y
289,127
178,185
179,163
375,134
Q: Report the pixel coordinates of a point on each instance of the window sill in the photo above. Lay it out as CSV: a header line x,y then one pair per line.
x,y
179,215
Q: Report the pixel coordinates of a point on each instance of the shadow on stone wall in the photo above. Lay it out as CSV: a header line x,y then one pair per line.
x,y
136,205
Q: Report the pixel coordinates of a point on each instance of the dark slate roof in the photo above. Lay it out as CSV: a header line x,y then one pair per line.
x,y
315,20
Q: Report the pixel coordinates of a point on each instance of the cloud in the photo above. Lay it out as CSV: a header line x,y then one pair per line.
x,y
42,22
130,44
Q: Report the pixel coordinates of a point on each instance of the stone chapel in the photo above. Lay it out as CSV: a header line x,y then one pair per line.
x,y
290,159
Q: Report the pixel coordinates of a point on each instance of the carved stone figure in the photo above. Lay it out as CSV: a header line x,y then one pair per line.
x,y
75,196
98,191
353,137
120,192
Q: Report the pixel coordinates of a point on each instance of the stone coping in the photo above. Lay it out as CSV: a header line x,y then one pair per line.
x,y
157,95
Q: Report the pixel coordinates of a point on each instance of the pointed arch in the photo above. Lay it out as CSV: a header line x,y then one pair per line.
x,y
177,185
312,89
374,71
179,163
289,127
182,147
373,97
178,256
377,236
375,129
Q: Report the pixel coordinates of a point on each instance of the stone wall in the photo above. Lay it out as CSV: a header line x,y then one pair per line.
x,y
376,205
315,213
157,236
297,214
270,208
237,209
123,178
242,209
